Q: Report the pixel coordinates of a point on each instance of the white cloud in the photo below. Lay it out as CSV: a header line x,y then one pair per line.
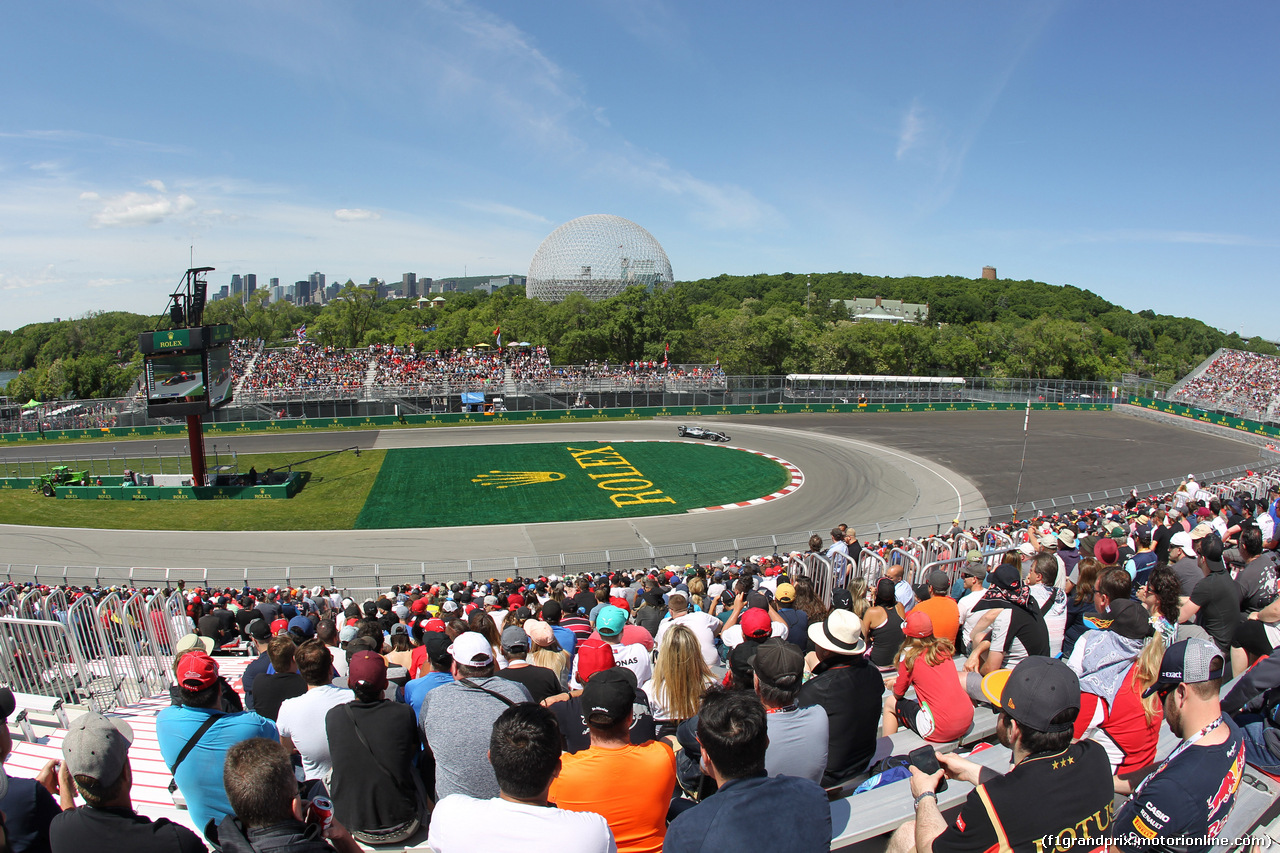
x,y
355,215
497,209
37,279
158,186
714,205
105,282
132,209
912,126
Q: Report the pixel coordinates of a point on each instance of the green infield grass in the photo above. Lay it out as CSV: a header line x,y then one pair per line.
x,y
331,500
528,483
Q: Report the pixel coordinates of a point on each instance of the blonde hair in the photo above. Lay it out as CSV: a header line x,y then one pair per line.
x,y
698,592
858,589
680,675
1148,670
553,658
934,649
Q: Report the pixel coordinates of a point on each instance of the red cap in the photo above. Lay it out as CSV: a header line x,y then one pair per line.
x,y
196,671
435,624
367,669
515,600
918,625
620,602
755,624
279,626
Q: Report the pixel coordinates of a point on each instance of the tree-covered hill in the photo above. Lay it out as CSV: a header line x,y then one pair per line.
x,y
750,324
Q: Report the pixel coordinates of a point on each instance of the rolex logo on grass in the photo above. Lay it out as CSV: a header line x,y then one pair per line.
x,y
507,479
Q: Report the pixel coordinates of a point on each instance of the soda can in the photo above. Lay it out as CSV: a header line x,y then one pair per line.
x,y
320,811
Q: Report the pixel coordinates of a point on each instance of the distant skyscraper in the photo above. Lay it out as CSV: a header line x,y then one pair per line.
x,y
409,285
250,284
302,292
275,282
237,286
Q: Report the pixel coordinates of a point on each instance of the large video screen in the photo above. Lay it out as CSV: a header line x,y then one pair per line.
x,y
220,378
175,378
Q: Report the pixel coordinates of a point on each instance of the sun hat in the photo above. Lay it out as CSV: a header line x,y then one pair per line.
x,y
840,632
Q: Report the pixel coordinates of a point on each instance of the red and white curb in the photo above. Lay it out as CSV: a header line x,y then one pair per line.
x,y
797,476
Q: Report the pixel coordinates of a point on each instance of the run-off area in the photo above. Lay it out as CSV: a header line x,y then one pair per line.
x,y
530,483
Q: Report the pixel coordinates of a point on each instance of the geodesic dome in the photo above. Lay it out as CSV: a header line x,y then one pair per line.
x,y
597,255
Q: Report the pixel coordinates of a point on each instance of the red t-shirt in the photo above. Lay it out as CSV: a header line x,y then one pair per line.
x,y
1125,722
938,687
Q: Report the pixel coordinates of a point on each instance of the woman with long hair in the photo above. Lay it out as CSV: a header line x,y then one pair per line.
x,y
680,676
942,711
860,594
698,594
807,600
482,622
882,626
1080,602
544,650
1160,596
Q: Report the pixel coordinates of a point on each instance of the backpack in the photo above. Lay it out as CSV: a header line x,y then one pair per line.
x,y
594,654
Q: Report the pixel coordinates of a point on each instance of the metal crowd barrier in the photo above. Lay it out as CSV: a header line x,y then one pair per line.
x,y
952,566
816,568
40,656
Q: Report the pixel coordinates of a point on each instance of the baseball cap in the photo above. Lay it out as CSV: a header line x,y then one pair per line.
x,y
785,593
258,629
303,624
609,620
779,663
552,610
1191,661
841,599
491,601
514,638
399,628
197,671
449,606
1007,577
974,556
755,624
367,669
347,634
279,626
974,570
939,581
437,646
472,649
539,632
97,747
1034,692
918,625
1201,530
1127,618
1182,539
609,693
193,642
435,625
1026,549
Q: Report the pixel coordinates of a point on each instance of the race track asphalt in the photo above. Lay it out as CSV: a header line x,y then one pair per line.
x,y
861,469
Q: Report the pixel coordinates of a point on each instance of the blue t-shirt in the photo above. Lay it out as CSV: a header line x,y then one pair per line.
x,y
731,819
415,690
200,776
1190,797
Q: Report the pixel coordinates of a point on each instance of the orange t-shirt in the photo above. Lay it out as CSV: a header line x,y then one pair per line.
x,y
630,788
945,615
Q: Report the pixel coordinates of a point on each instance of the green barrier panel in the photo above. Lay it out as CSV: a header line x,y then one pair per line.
x,y
282,491
10,483
1180,410
551,416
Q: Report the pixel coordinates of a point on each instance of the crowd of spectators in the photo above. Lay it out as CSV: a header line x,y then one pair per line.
x,y
665,709
471,369
307,366
1240,383
631,375
68,414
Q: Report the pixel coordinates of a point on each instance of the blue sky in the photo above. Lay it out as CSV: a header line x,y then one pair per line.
x,y
1127,148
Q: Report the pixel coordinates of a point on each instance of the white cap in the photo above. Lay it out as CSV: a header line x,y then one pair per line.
x,y
472,649
1182,539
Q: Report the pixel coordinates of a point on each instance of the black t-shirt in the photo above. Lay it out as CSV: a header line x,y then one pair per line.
x,y
270,691
538,680
244,616
120,831
585,600
573,728
365,796
28,808
1219,598
850,690
1075,782
1160,541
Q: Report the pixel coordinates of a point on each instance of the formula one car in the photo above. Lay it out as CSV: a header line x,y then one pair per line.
x,y
699,432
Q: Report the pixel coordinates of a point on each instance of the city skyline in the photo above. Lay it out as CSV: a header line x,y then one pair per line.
x,y
1106,147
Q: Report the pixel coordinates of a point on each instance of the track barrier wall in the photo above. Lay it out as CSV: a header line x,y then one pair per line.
x,y
1215,418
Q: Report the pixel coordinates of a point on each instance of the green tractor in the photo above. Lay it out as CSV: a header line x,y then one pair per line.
x,y
61,475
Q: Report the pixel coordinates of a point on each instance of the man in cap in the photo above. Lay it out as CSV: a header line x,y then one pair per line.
x,y
439,666
846,685
374,744
797,736
1191,792
524,750
610,623
538,680
457,717
734,734
1042,576
552,613
941,609
95,763
629,785
838,554
1039,700
199,728
1183,563
1017,630
260,635
973,576
797,620
1215,603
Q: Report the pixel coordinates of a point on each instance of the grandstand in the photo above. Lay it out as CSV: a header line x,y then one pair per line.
x,y
1233,382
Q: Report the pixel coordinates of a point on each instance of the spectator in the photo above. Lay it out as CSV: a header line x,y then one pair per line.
x,y
941,711
1080,598
629,785
272,688
634,656
441,671
883,625
95,763
524,751
260,635
903,593
302,719
797,620
1017,630
1038,700
703,625
327,632
545,651
972,575
1042,576
849,689
680,676
457,717
552,613
942,610
230,700
797,736
268,813
374,745
1215,603
201,733
538,680
1254,701
1191,792
27,804
734,733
